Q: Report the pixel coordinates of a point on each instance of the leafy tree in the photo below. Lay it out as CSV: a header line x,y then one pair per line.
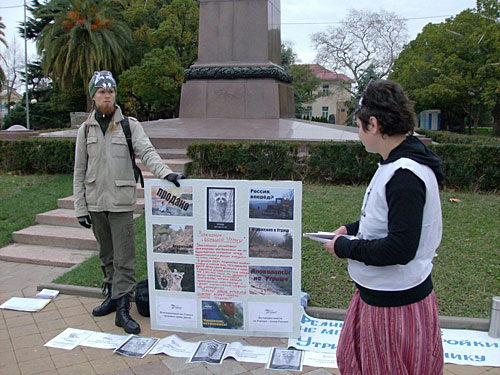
x,y
288,56
179,30
165,45
2,58
363,40
143,18
454,66
489,8
50,106
81,36
151,89
305,82
305,85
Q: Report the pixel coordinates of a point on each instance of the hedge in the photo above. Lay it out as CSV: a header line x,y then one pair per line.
x,y
469,167
441,136
246,160
466,167
36,155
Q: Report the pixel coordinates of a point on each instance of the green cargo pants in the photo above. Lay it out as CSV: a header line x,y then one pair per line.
x,y
114,232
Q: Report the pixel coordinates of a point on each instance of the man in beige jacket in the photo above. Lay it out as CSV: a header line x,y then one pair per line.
x,y
104,187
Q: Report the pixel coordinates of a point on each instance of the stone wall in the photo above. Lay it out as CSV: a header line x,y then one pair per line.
x,y
77,118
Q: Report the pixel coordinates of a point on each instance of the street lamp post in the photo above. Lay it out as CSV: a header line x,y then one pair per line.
x,y
26,69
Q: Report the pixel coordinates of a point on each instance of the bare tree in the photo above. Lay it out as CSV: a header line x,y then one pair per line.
x,y
362,39
2,41
12,63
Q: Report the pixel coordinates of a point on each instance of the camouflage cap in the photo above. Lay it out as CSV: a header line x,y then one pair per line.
x,y
102,79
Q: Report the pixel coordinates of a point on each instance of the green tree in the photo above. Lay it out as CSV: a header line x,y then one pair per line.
x,y
143,18
489,8
151,89
305,87
179,30
165,43
50,106
454,66
288,56
305,83
2,41
82,36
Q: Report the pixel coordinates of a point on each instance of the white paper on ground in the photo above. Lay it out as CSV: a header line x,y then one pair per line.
x,y
69,339
102,340
25,304
174,347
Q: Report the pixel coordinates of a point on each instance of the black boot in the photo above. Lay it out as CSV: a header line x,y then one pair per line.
x,y
123,318
107,307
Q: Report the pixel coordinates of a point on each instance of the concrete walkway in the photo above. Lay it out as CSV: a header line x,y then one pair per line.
x,y
22,336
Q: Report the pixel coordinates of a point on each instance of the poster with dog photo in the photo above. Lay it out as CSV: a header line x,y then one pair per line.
x,y
220,208
173,239
270,281
172,201
174,277
270,243
271,203
222,315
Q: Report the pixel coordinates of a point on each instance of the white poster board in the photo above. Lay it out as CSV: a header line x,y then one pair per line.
x,y
224,256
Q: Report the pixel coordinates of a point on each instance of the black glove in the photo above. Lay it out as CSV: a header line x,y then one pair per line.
x,y
85,221
174,177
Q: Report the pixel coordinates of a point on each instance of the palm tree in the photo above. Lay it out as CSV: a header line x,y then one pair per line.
x,y
81,37
2,40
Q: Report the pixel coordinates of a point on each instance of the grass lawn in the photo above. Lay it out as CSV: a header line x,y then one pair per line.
x,y
22,197
466,273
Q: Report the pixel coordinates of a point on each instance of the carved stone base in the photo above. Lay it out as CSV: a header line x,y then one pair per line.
x,y
237,98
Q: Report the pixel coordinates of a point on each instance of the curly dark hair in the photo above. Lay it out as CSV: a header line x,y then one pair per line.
x,y
387,102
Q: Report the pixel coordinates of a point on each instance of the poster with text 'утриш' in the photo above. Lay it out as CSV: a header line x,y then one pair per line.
x,y
224,256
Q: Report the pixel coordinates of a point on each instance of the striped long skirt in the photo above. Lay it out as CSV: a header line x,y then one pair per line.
x,y
402,340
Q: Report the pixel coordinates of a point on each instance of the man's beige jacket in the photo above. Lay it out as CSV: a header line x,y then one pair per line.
x,y
103,177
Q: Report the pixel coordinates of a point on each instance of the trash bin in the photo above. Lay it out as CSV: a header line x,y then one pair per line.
x,y
494,329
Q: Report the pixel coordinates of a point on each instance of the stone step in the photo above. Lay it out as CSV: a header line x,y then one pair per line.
x,y
176,165
68,203
51,235
46,255
61,217
172,153
426,141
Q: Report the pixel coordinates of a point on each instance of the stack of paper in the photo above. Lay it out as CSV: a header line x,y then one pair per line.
x,y
25,304
320,236
47,293
325,236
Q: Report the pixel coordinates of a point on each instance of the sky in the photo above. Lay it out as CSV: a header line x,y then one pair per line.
x,y
301,18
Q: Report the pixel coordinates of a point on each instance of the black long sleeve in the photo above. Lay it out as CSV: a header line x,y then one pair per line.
x,y
405,195
352,228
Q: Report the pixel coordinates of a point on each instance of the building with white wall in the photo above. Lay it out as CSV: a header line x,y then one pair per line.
x,y
335,89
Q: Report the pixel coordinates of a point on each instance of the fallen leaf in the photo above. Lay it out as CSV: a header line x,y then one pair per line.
x,y
454,199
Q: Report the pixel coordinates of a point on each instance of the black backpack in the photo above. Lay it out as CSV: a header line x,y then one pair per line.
x,y
128,136
142,298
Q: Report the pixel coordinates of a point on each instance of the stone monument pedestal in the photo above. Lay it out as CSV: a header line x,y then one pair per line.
x,y
239,98
238,72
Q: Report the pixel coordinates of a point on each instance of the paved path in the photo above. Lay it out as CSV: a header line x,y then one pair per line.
x,y
22,336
